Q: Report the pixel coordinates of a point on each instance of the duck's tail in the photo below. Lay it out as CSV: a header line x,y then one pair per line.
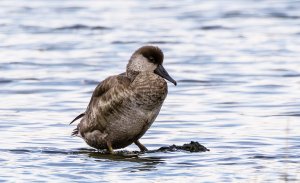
x,y
78,117
75,132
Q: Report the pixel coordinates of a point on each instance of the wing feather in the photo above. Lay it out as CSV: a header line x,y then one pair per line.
x,y
107,96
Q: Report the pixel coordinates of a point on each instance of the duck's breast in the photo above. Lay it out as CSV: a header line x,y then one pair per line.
x,y
133,119
150,90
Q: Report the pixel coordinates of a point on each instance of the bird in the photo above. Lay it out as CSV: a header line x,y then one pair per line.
x,y
123,107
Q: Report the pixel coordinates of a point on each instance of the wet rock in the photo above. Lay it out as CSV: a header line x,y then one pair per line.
x,y
191,147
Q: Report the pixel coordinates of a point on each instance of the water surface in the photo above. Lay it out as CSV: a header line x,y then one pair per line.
x,y
238,72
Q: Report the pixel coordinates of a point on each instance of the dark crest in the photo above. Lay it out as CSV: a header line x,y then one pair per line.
x,y
152,53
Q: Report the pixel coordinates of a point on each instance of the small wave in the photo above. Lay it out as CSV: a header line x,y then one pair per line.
x,y
124,42
4,81
290,75
37,150
192,81
163,42
283,15
90,82
262,157
237,14
33,91
293,114
40,29
213,27
35,29
82,27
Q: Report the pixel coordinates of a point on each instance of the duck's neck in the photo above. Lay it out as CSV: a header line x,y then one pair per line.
x,y
133,67
131,74
137,64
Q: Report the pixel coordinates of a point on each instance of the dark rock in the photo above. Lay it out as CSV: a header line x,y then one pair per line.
x,y
191,147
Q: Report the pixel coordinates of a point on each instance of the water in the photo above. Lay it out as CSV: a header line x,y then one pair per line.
x,y
238,71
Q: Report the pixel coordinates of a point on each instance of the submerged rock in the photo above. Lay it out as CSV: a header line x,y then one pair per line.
x,y
191,147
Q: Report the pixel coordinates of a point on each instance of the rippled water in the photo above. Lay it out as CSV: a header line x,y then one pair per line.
x,y
238,71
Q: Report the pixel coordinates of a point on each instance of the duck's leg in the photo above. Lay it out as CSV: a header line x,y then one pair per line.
x,y
109,147
141,146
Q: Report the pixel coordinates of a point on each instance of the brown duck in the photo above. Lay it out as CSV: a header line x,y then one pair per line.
x,y
123,107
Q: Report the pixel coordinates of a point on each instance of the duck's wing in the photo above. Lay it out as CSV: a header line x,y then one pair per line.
x,y
82,114
107,96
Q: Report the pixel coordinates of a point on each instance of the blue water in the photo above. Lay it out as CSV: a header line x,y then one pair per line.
x,y
237,64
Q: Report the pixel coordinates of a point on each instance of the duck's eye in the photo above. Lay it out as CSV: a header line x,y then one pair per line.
x,y
151,59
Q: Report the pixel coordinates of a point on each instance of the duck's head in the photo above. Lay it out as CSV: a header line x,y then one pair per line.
x,y
148,59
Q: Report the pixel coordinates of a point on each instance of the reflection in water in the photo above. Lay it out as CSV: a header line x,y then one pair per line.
x,y
139,161
135,162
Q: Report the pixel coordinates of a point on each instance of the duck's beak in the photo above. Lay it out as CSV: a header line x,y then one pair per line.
x,y
161,71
